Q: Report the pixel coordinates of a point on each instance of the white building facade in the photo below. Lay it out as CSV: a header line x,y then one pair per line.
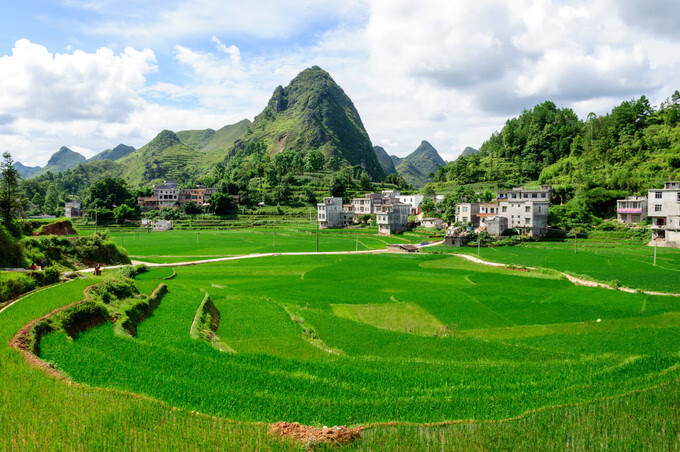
x,y
332,214
167,194
664,209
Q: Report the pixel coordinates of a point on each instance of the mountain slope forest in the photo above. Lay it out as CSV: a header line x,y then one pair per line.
x,y
416,167
588,162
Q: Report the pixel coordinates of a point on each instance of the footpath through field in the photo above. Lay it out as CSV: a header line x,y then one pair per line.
x,y
572,279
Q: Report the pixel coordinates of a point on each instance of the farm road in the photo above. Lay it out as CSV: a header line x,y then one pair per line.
x,y
573,279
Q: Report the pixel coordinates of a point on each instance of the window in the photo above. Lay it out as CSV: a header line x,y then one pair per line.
x,y
526,195
527,220
542,195
465,209
527,209
505,208
657,195
657,207
514,196
534,195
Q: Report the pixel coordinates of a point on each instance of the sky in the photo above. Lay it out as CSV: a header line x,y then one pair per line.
x,y
90,74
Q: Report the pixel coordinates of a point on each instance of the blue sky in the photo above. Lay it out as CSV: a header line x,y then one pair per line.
x,y
90,74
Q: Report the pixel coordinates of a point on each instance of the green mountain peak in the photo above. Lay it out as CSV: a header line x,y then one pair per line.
x,y
313,113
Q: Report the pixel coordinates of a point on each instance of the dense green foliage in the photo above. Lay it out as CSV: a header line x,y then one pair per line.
x,y
631,149
73,252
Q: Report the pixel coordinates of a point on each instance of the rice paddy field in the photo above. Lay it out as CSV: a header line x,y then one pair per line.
x,y
177,246
630,264
428,351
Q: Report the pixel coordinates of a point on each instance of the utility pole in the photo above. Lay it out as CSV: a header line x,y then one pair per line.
x,y
655,252
274,243
479,244
575,235
317,237
197,233
357,247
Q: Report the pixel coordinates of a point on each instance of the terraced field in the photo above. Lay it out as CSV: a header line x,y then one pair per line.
x,y
357,340
522,341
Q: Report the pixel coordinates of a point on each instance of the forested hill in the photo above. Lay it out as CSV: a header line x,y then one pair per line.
x,y
312,113
629,150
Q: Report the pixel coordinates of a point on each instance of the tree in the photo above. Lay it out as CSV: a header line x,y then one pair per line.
x,y
428,190
191,208
337,187
427,206
109,192
38,200
314,160
283,193
11,203
221,204
365,182
310,197
122,213
51,199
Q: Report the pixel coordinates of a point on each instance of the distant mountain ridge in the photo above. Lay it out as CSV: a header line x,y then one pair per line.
x,y
116,153
385,160
416,167
60,161
25,171
468,151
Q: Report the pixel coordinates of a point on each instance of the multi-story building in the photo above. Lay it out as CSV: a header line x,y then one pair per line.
x,y
392,218
664,209
367,204
167,194
200,195
466,212
73,209
526,209
487,211
332,214
413,201
147,202
633,209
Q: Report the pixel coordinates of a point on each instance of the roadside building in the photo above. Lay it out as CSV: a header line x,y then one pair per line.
x,y
432,222
73,209
496,225
167,194
413,201
526,209
332,214
487,211
466,212
633,209
392,218
200,195
367,204
147,203
664,209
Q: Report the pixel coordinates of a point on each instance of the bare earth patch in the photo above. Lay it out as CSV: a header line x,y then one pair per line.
x,y
312,437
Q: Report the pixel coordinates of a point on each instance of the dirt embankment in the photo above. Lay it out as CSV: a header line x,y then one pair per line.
x,y
312,437
57,228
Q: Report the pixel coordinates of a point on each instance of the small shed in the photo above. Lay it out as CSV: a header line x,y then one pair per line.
x,y
401,248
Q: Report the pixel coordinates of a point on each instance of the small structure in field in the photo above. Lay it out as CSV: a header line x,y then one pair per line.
x,y
73,209
162,225
456,236
432,222
632,209
402,248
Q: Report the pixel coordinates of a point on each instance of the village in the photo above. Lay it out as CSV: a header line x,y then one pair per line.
x,y
522,209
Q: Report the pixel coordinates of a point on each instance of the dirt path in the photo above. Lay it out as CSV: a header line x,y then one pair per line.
x,y
573,279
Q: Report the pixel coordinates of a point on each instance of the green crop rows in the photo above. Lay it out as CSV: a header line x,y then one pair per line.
x,y
350,339
297,361
176,246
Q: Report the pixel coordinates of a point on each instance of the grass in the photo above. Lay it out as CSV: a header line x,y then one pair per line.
x,y
630,264
41,413
279,316
177,246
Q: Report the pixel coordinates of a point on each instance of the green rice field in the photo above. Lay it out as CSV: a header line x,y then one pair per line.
x,y
631,265
515,359
177,246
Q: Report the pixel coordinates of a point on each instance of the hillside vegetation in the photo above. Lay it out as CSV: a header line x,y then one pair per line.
x,y
312,113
